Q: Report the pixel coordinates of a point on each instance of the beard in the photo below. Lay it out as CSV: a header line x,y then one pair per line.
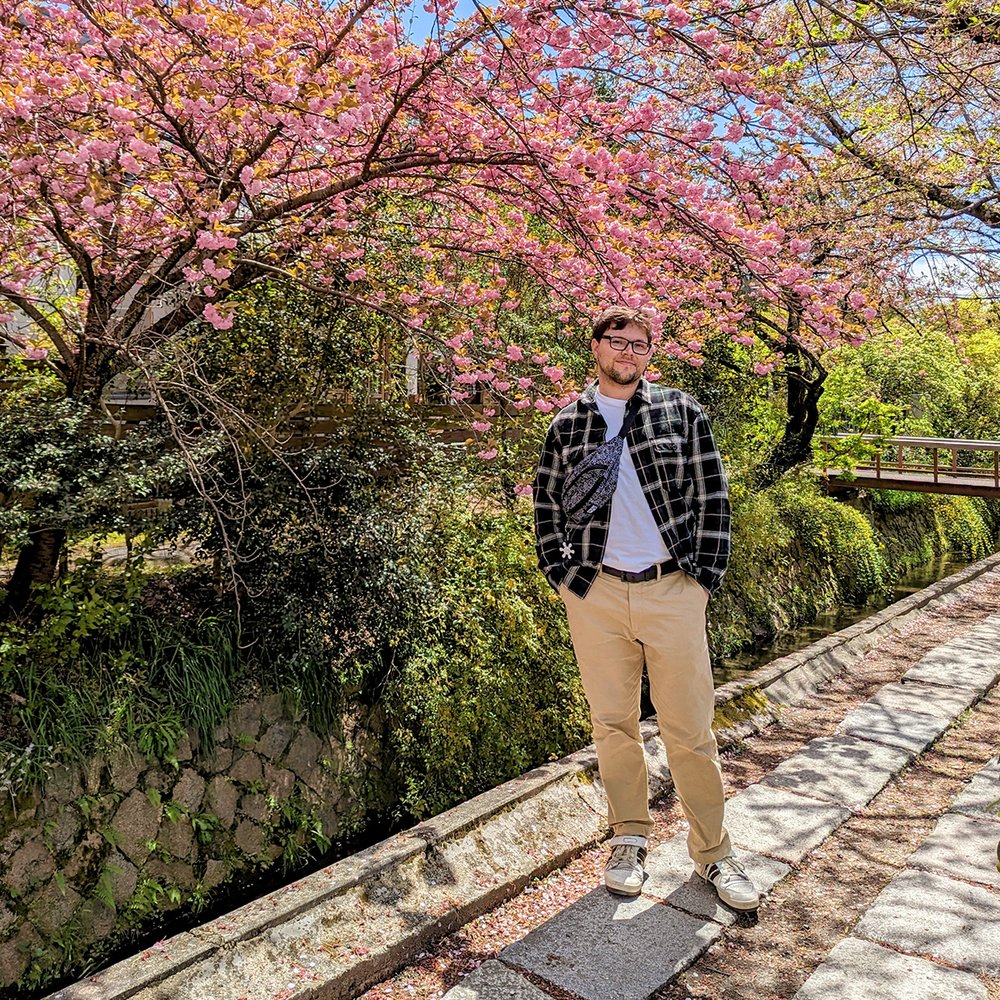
x,y
622,376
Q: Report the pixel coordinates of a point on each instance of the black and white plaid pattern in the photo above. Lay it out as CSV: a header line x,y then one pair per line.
x,y
680,471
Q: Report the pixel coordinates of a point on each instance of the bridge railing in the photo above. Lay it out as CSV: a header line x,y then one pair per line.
x,y
936,459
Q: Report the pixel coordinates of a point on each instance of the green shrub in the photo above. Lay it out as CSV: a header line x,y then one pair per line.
x,y
488,688
967,524
99,670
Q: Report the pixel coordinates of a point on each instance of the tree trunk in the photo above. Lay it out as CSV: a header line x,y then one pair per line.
x,y
805,387
37,564
795,446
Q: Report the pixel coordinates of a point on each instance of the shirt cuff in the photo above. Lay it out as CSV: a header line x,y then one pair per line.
x,y
710,579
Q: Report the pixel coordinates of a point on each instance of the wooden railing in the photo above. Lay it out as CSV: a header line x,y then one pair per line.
x,y
930,465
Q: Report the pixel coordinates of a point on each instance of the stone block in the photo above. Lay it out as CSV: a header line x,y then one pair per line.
x,y
30,866
92,771
913,731
843,769
189,790
7,917
275,740
185,750
64,785
220,759
16,954
270,708
606,947
135,823
244,722
177,839
125,767
249,837
861,970
170,873
279,780
962,847
781,823
66,829
304,753
246,768
971,660
255,807
494,981
221,797
123,876
86,857
12,843
96,920
324,787
927,699
161,780
981,797
940,917
670,876
215,873
54,907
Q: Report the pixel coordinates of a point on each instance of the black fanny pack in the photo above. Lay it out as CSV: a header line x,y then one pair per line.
x,y
591,483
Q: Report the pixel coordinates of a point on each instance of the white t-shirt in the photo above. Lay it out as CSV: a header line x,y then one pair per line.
x,y
634,541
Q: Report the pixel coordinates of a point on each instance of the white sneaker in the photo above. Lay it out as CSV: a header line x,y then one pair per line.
x,y
624,872
731,882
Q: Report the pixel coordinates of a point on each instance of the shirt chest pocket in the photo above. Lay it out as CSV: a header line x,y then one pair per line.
x,y
668,457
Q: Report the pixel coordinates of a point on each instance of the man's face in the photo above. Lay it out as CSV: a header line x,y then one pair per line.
x,y
622,367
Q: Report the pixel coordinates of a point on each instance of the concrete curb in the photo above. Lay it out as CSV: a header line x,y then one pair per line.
x,y
369,914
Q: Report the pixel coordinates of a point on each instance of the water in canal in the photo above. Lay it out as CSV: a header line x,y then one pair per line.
x,y
836,619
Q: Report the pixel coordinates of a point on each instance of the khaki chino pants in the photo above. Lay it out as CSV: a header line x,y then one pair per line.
x,y
616,628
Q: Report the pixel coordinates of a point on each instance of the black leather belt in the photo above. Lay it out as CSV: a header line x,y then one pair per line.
x,y
642,575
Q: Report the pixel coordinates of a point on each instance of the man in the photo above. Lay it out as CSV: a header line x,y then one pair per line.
x,y
636,579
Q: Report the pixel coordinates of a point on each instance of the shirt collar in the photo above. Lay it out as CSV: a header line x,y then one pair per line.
x,y
588,398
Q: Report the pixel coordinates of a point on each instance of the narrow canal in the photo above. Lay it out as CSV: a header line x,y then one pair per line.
x,y
728,669
732,668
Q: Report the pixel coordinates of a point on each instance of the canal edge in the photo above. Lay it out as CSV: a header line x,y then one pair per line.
x,y
465,861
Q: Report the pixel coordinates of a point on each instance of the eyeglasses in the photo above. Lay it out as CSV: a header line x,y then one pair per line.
x,y
639,347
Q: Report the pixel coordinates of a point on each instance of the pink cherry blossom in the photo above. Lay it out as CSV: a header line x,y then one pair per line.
x,y
217,319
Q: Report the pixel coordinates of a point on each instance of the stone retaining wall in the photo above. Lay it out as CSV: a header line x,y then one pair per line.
x,y
106,845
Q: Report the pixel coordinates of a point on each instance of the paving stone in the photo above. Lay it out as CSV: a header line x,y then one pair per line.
x,y
913,731
981,797
962,847
972,659
861,970
671,877
843,769
927,699
606,947
494,981
941,917
781,823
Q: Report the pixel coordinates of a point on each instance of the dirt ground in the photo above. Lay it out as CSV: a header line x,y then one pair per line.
x,y
817,905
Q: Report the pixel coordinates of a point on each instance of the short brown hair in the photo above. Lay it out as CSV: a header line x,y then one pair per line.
x,y
619,317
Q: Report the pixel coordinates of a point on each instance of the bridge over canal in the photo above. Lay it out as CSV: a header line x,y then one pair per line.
x,y
957,466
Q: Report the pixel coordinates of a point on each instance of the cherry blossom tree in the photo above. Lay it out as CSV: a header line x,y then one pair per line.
x,y
167,155
906,98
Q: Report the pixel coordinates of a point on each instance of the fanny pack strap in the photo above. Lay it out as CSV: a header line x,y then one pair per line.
x,y
627,423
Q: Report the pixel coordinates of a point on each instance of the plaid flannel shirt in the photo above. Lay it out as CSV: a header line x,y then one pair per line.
x,y
680,471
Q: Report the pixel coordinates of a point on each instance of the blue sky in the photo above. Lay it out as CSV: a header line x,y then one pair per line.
x,y
421,21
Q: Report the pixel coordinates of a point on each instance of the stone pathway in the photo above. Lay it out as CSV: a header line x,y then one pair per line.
x,y
943,908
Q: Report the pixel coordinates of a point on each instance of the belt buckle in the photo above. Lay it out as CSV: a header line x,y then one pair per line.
x,y
643,575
